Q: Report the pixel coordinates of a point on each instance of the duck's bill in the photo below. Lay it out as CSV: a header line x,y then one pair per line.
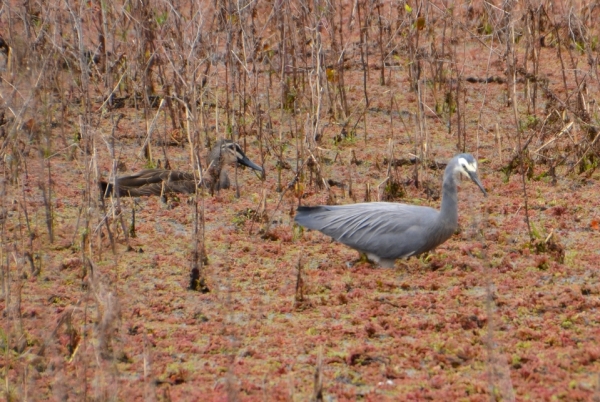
x,y
475,179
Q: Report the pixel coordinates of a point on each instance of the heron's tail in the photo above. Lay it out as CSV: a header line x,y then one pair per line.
x,y
309,217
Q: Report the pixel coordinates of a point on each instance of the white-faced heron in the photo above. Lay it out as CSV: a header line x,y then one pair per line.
x,y
387,231
162,181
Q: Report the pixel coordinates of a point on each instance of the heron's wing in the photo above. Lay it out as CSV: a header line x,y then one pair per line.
x,y
385,229
378,217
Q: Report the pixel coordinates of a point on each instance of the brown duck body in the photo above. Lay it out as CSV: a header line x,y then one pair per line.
x,y
162,181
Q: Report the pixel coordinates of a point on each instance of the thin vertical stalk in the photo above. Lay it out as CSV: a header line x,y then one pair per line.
x,y
513,94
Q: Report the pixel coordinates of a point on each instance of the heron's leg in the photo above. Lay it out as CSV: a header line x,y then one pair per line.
x,y
387,263
362,257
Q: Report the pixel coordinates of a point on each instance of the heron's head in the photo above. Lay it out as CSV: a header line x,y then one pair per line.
x,y
466,165
230,153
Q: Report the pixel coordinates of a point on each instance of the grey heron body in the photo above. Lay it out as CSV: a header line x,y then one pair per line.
x,y
163,181
386,231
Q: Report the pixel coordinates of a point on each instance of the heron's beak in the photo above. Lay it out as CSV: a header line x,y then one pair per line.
x,y
247,162
473,176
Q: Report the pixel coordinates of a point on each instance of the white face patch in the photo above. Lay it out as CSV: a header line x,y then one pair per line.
x,y
465,167
234,150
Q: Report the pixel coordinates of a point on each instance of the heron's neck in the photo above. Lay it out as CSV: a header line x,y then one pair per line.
x,y
449,209
215,165
216,175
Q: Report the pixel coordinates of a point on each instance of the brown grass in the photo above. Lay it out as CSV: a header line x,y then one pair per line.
x,y
214,297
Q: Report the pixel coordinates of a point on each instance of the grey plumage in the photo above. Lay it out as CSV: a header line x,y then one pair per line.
x,y
386,231
162,181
